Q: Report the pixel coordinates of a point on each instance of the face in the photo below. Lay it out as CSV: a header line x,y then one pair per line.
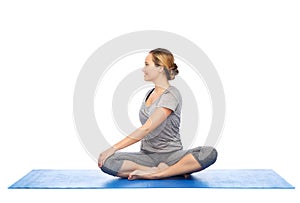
x,y
151,72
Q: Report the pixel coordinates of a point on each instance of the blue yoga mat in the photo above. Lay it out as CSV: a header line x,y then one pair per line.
x,y
96,179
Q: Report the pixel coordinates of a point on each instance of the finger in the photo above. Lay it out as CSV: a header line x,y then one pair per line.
x,y
101,161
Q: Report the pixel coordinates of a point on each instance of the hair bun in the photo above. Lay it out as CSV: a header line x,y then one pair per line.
x,y
174,71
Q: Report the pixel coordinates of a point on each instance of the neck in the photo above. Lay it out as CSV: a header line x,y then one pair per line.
x,y
161,85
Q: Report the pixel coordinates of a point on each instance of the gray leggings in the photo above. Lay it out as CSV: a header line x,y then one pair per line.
x,y
205,155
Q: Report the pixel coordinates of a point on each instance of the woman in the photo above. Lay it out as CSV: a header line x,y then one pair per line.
x,y
161,153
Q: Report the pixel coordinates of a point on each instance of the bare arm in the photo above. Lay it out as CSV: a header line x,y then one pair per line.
x,y
158,116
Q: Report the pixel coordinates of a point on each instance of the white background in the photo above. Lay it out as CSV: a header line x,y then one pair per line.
x,y
254,45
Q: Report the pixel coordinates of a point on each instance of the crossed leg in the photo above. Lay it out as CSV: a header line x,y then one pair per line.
x,y
141,166
129,167
187,164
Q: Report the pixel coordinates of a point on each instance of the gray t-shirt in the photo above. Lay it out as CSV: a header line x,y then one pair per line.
x,y
166,137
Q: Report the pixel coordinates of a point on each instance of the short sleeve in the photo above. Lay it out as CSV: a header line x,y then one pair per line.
x,y
169,100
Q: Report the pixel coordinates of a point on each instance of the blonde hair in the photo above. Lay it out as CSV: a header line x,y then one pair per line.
x,y
163,57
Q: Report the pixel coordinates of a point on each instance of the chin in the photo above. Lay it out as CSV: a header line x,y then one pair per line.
x,y
146,78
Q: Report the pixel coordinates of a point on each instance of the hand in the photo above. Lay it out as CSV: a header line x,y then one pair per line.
x,y
104,155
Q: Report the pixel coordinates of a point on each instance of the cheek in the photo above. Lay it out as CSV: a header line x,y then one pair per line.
x,y
151,73
147,71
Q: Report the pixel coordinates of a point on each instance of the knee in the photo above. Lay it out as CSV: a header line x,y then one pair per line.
x,y
110,165
207,156
213,154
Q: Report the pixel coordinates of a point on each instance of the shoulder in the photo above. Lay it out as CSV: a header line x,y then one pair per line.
x,y
172,94
170,99
172,90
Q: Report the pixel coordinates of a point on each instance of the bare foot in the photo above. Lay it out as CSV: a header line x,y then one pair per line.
x,y
162,165
139,174
147,174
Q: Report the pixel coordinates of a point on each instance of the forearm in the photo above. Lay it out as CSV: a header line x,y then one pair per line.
x,y
159,115
127,141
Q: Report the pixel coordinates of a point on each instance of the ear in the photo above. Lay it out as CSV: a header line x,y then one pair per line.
x,y
161,69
